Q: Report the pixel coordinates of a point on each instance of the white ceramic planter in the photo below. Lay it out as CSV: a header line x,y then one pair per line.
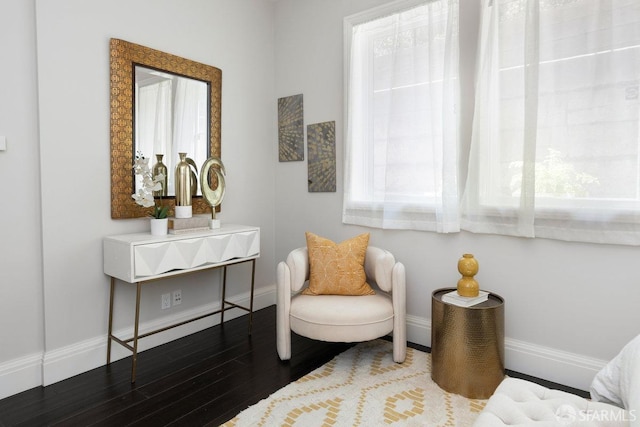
x,y
159,226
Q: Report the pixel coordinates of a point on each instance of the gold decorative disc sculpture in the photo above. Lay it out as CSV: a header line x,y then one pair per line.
x,y
213,196
467,285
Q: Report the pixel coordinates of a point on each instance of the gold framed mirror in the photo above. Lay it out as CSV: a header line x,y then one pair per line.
x,y
126,58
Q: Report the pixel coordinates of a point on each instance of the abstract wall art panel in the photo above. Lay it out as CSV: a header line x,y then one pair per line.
x,y
321,146
290,129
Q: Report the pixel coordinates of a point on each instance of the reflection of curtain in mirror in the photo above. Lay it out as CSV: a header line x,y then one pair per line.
x,y
190,121
153,122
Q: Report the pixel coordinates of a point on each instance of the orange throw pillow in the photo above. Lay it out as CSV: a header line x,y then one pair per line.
x,y
337,269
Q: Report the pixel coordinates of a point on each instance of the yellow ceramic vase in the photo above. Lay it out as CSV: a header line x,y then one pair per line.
x,y
467,285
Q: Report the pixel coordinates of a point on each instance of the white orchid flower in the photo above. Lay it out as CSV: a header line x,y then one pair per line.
x,y
144,199
150,184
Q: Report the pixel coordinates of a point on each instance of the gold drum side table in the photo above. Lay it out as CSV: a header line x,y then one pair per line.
x,y
467,345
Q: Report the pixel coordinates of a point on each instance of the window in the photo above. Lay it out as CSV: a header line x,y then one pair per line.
x,y
555,146
401,131
555,150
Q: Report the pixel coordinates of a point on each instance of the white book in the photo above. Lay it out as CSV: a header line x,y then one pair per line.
x,y
456,299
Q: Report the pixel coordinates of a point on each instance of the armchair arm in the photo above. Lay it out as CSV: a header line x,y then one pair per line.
x,y
298,263
399,296
378,266
390,276
283,306
290,277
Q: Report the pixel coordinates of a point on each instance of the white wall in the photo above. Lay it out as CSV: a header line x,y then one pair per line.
x,y
73,60
569,306
55,294
21,333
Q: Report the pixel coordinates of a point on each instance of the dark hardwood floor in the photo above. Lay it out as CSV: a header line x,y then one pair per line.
x,y
203,379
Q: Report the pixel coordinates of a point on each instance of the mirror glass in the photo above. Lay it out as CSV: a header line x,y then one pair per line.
x,y
160,104
171,117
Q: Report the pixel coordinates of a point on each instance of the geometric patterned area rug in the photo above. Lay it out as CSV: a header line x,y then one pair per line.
x,y
364,387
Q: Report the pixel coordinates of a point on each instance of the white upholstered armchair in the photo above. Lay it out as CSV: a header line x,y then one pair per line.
x,y
340,318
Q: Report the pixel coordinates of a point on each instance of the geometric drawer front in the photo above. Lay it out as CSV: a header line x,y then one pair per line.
x,y
158,258
136,257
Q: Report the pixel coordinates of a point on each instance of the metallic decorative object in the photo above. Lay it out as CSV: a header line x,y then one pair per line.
x,y
321,144
467,285
160,168
290,128
213,196
183,188
194,176
123,57
467,346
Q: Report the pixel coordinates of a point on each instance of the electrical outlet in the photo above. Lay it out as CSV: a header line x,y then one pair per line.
x,y
177,297
166,301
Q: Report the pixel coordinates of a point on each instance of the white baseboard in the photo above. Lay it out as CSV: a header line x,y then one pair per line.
x,y
570,369
419,330
21,374
65,362
18,375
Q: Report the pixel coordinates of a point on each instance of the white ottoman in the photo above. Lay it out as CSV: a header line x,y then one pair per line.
x,y
518,402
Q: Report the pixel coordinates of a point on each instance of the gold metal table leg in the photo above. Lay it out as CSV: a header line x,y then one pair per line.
x,y
253,278
224,296
136,334
110,321
134,357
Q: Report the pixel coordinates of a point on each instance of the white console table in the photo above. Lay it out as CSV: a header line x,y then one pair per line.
x,y
142,258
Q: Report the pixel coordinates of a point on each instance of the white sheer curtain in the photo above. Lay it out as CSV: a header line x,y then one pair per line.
x,y
153,120
555,146
190,121
402,117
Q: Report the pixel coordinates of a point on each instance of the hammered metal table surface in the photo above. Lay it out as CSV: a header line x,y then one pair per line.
x,y
467,345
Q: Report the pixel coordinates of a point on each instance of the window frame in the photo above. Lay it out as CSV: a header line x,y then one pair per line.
x,y
427,205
